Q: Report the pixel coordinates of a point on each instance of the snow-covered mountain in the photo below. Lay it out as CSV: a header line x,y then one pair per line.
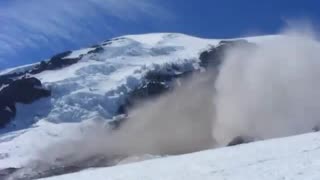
x,y
75,101
101,75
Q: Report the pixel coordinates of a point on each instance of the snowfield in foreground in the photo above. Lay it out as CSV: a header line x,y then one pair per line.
x,y
292,158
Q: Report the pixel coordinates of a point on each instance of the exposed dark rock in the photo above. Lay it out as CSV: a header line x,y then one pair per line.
x,y
5,173
160,80
240,140
59,63
117,39
150,89
95,46
56,62
6,114
157,82
26,91
98,49
8,78
107,42
123,108
214,56
42,66
234,42
159,76
61,55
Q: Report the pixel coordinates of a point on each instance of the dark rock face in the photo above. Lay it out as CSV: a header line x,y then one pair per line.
x,y
5,173
240,140
215,55
8,78
98,49
161,80
56,62
6,115
25,90
19,89
155,83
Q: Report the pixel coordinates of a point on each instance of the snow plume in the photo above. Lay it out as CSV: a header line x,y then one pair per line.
x,y
271,91
176,123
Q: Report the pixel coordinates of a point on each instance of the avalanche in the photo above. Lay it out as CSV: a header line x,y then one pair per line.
x,y
79,121
292,158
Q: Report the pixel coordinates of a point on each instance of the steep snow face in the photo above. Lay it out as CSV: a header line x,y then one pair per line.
x,y
95,86
93,89
292,158
96,82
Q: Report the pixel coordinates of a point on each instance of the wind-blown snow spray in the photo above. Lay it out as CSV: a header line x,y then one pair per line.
x,y
175,123
269,91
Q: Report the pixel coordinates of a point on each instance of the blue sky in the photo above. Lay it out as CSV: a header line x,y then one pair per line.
x,y
32,30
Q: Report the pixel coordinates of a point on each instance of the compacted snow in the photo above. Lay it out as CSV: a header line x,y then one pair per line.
x,y
292,158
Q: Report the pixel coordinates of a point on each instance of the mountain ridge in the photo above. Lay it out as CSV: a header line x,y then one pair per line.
x,y
101,84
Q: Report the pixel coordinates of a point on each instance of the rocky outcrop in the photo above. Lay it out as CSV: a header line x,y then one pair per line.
x,y
98,49
25,91
240,140
161,79
214,56
155,83
17,88
56,62
5,173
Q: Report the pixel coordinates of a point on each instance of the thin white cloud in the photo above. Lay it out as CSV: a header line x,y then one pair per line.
x,y
34,23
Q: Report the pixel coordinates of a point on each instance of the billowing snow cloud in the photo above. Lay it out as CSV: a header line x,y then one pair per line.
x,y
270,91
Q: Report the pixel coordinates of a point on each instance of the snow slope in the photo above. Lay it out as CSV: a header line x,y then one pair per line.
x,y
293,158
93,89
96,85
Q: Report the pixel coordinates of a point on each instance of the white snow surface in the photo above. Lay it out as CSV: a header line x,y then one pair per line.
x,y
293,158
92,90
96,85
